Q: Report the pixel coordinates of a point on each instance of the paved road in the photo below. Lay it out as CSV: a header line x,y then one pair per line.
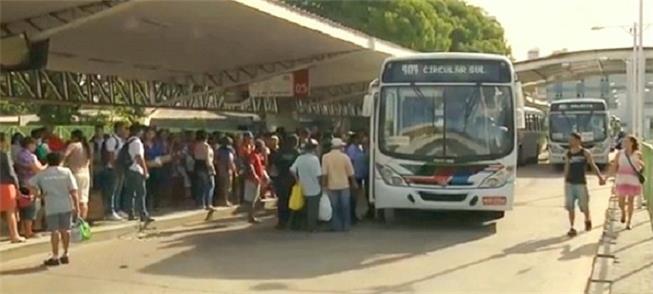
x,y
526,252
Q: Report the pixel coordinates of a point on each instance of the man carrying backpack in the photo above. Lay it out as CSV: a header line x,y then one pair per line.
x,y
131,160
112,180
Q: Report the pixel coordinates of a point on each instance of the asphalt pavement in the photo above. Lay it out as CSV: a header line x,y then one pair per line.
x,y
423,252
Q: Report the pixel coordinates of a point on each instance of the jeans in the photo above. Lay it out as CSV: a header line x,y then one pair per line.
x,y
206,183
341,206
153,184
312,211
282,187
136,193
112,185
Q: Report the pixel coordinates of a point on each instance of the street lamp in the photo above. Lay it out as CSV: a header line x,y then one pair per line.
x,y
636,69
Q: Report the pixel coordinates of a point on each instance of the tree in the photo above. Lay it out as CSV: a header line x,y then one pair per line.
x,y
58,114
422,25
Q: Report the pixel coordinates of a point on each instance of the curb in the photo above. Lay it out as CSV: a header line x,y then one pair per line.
x,y
598,281
115,231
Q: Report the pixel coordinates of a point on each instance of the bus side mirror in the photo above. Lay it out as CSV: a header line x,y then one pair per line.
x,y
19,54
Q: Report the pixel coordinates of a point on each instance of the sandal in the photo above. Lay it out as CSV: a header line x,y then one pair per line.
x,y
51,262
19,240
572,233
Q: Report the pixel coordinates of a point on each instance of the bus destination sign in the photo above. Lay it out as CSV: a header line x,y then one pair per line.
x,y
447,71
578,106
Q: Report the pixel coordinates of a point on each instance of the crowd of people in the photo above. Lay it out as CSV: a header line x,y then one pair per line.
x,y
141,169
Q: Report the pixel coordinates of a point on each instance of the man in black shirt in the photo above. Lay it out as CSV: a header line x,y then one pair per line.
x,y
282,161
576,163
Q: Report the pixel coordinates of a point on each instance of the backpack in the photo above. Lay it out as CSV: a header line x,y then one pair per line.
x,y
124,160
105,153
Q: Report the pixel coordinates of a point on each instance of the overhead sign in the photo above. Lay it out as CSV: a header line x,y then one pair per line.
x,y
293,84
578,106
447,71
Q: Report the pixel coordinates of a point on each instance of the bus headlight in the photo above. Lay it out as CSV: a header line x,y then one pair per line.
x,y
498,178
390,176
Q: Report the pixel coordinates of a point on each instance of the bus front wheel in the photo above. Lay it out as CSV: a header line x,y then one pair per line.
x,y
385,215
493,215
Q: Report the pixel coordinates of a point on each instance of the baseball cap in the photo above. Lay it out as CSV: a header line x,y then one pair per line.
x,y
337,143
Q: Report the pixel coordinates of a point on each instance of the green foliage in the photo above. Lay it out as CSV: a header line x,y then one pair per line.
x,y
422,25
58,114
15,108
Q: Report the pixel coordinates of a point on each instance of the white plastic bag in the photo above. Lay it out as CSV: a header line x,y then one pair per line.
x,y
325,208
76,233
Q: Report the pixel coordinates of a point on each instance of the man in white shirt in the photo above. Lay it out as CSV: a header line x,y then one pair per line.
x,y
136,174
112,180
307,171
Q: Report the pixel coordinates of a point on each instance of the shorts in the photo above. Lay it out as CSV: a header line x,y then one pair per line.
x,y
7,197
29,212
83,186
252,191
59,221
576,192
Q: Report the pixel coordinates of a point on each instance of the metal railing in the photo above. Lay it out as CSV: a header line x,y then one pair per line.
x,y
647,152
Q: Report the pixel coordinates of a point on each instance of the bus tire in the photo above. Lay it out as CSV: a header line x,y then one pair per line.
x,y
494,215
388,215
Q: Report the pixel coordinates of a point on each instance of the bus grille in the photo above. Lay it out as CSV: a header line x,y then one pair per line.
x,y
426,196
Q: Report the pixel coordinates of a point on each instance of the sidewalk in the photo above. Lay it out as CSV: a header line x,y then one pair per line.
x,y
624,263
105,230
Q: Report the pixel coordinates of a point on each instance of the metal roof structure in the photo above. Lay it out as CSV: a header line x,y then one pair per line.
x,y
185,54
575,65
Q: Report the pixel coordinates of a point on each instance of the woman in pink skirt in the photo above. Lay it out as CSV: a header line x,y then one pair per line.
x,y
628,165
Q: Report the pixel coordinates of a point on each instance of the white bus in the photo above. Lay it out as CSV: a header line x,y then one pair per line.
x,y
532,137
443,134
590,118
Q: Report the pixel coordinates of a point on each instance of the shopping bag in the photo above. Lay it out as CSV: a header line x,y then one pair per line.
x,y
81,231
296,201
325,208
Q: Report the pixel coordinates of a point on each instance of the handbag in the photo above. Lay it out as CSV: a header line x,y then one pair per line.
x,y
24,198
640,176
297,200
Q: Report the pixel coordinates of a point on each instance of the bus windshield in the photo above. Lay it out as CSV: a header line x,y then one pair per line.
x,y
463,123
591,126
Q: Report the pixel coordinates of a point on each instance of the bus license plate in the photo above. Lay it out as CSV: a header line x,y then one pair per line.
x,y
494,200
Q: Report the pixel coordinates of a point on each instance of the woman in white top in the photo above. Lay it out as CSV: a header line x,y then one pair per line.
x,y
78,158
627,166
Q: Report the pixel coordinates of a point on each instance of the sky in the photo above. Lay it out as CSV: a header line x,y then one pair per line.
x,y
557,24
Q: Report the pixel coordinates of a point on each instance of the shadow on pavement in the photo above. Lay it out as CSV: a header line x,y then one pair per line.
x,y
262,253
527,247
23,271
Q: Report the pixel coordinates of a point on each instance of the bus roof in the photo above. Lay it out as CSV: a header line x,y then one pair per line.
x,y
449,55
577,100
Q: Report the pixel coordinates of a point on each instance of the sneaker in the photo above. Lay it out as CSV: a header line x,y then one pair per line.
x,y
64,259
572,232
254,220
51,262
114,217
588,225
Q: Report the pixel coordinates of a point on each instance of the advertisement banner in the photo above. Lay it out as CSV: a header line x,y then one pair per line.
x,y
293,84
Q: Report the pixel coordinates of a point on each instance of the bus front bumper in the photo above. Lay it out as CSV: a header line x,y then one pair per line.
x,y
403,197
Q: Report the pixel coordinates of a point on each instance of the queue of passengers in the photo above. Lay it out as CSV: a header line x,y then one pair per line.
x,y
137,168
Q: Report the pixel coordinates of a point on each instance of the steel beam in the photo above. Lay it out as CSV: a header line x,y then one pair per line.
x,y
65,88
